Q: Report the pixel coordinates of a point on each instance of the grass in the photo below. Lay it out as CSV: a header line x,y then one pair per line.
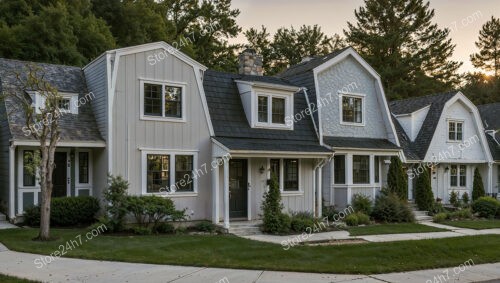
x,y
10,279
233,252
475,224
397,228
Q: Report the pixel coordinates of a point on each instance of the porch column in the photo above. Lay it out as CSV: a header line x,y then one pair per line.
x,y
226,193
410,183
320,191
372,174
490,178
349,180
12,178
215,192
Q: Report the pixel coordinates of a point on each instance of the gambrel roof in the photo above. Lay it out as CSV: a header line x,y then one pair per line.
x,y
490,116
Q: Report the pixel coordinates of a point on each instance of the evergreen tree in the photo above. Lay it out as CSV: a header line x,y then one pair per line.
x,y
481,88
397,178
477,186
274,220
488,44
411,54
424,198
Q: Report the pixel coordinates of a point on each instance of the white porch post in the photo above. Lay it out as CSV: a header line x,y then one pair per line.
x,y
315,208
320,192
215,192
12,176
226,193
349,180
490,178
332,182
410,183
372,174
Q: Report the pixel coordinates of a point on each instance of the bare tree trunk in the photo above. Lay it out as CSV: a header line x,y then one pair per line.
x,y
46,184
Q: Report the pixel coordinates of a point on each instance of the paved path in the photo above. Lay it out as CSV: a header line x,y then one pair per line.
x,y
344,235
79,270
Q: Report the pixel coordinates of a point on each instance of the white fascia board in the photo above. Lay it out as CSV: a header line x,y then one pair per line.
x,y
293,89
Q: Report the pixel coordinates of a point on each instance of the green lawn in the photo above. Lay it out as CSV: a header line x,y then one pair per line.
x,y
10,279
398,228
475,224
233,252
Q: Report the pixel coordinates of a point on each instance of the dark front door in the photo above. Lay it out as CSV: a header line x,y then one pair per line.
x,y
59,176
238,185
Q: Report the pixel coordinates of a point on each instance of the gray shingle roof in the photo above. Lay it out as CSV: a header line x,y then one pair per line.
x,y
353,142
267,79
232,128
417,149
81,127
490,114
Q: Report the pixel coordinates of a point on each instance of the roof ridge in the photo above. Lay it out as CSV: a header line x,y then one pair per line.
x,y
424,96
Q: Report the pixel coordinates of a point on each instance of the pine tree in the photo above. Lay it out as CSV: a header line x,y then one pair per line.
x,y
272,208
477,186
411,54
488,44
396,178
424,197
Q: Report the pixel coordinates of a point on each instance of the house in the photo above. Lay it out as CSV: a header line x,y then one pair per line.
x,y
352,118
491,122
443,133
206,139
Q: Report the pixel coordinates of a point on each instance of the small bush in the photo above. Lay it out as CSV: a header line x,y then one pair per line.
x,y
115,196
329,212
181,230
461,214
389,208
32,216
362,203
164,228
141,230
151,210
454,199
301,220
352,220
440,217
205,226
436,208
477,186
465,198
486,207
363,219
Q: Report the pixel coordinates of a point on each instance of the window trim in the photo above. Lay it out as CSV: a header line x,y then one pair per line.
x,y
458,176
369,170
172,154
455,121
39,102
77,170
281,177
145,117
335,168
363,108
20,175
270,125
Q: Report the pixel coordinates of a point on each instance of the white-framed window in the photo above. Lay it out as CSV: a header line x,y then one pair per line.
x,y
272,110
28,178
83,167
361,169
455,130
287,171
339,167
169,172
163,101
67,104
458,176
352,109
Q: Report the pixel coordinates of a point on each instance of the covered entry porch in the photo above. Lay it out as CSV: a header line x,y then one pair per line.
x,y
240,180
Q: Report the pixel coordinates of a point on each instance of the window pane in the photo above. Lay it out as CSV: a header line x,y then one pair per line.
x,y
262,109
278,108
459,131
158,175
463,176
339,169
291,182
358,113
83,167
173,101
377,169
453,176
361,169
347,109
451,131
28,179
184,173
275,168
152,99
63,104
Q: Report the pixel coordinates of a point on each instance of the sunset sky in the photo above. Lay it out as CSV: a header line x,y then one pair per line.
x,y
464,17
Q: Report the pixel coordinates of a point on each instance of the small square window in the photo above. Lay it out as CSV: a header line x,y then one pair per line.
x,y
64,104
173,101
352,109
455,131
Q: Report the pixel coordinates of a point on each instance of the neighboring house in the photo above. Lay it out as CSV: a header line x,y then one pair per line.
x,y
80,141
352,118
443,133
490,114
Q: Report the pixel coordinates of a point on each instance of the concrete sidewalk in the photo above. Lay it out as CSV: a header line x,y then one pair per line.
x,y
344,235
79,270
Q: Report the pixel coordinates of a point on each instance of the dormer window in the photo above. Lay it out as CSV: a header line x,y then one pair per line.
x,y
272,109
352,109
68,103
64,104
455,130
162,101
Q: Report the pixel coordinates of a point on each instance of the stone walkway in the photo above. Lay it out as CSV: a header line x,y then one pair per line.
x,y
344,235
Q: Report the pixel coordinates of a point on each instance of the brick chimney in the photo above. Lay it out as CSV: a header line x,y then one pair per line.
x,y
250,63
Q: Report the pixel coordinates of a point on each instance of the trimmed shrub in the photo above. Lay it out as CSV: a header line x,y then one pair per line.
x,y
274,220
205,226
440,217
115,196
486,207
363,219
352,220
454,199
477,186
397,181
141,230
329,212
390,208
151,210
164,228
362,203
437,207
424,197
66,211
465,198
301,220
461,214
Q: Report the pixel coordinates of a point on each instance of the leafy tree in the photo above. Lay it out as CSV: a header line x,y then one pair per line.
x,y
488,57
424,198
477,186
411,54
289,45
397,178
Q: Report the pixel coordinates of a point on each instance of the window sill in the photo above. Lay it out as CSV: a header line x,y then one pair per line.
x,y
163,119
174,195
353,124
273,126
454,141
291,193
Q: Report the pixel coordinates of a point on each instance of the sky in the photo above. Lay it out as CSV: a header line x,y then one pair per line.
x,y
464,18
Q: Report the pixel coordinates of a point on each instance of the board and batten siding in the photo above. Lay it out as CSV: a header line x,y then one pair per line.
x,y
130,133
350,76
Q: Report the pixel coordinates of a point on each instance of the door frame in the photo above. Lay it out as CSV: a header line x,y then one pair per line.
x,y
249,217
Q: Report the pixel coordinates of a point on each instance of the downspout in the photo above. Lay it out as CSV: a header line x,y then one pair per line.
x,y
318,204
